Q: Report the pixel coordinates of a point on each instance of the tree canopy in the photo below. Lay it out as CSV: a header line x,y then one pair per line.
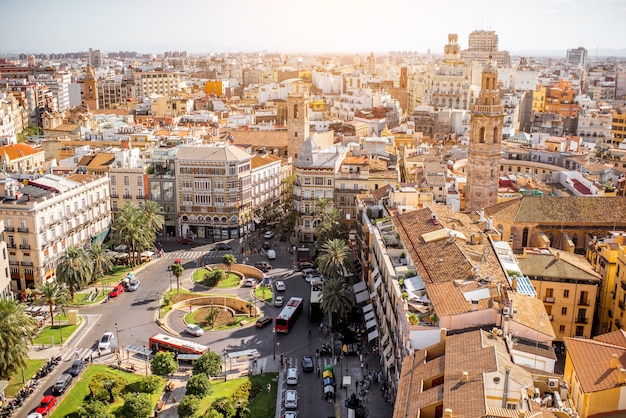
x,y
17,329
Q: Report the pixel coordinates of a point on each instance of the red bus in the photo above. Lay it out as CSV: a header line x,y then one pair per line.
x,y
162,342
288,316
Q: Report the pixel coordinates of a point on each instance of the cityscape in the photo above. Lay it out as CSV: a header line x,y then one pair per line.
x,y
412,233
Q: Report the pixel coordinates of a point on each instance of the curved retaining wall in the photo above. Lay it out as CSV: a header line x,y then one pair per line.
x,y
235,304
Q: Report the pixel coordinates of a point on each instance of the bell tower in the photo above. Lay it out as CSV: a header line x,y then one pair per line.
x,y
90,92
485,144
297,120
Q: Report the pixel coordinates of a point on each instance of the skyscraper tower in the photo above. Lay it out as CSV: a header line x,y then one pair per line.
x,y
297,120
483,165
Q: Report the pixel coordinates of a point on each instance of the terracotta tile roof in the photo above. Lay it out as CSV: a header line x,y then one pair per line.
x,y
272,139
381,192
66,127
356,160
415,369
566,210
591,359
16,151
545,263
261,160
79,178
617,338
529,310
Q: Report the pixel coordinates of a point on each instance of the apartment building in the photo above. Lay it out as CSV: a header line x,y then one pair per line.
x,y
21,158
267,177
129,180
214,186
46,216
5,272
595,372
160,83
618,126
568,286
162,186
483,47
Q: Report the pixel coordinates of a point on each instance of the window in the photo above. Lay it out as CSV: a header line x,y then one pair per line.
x,y
113,180
319,181
126,181
562,329
140,181
580,330
329,182
566,293
307,181
564,311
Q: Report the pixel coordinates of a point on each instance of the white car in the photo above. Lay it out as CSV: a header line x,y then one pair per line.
x,y
133,285
280,285
291,399
271,254
292,376
279,301
314,277
105,341
269,235
194,329
290,414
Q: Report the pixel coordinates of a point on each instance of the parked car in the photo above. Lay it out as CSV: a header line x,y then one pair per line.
x,y
267,245
315,277
269,235
271,254
263,321
250,283
280,285
38,415
307,364
194,330
75,368
105,341
279,301
46,405
133,285
264,266
62,383
117,290
185,241
290,414
291,399
292,376
221,246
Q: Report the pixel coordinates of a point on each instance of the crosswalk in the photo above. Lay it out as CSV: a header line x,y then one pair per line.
x,y
192,255
80,353
289,362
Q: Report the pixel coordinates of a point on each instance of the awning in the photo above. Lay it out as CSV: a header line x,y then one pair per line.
x,y
375,273
387,351
377,283
369,315
137,349
359,287
361,297
368,308
249,354
370,324
372,335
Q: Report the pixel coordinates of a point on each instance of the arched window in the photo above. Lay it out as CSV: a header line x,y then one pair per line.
x,y
481,135
575,240
495,135
525,237
295,111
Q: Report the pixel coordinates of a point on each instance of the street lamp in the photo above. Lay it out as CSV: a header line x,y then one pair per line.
x,y
60,327
274,339
170,279
117,335
145,358
224,364
269,399
159,305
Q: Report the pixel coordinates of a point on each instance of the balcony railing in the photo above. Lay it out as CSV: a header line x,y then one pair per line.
x,y
25,246
622,284
9,228
11,245
22,229
581,320
27,263
583,302
621,304
549,299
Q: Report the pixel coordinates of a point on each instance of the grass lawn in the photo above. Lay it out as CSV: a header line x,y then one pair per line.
x,y
56,332
75,397
264,293
15,382
221,322
231,279
258,407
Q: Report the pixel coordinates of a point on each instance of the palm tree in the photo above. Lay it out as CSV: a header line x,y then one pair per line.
x,y
135,229
17,329
75,269
53,293
333,257
154,215
337,297
102,260
229,260
177,271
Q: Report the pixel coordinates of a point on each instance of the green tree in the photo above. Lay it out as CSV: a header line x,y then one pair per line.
x,y
224,406
53,293
17,329
212,315
332,260
177,271
209,363
199,385
137,405
106,386
94,408
229,260
163,363
213,277
136,228
151,384
188,406
331,226
75,269
102,260
153,213
337,298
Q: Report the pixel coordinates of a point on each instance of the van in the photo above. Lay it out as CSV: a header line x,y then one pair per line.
x,y
271,254
292,376
308,271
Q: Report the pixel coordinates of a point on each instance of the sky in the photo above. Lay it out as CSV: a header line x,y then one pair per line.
x,y
314,26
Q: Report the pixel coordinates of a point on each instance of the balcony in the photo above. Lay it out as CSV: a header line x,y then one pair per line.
x,y
22,229
550,317
622,285
128,196
581,320
14,263
114,195
9,228
613,295
24,246
610,313
10,245
549,299
583,302
27,263
621,304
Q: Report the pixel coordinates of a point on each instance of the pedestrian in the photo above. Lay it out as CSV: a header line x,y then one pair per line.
x,y
91,358
99,352
76,353
361,365
367,365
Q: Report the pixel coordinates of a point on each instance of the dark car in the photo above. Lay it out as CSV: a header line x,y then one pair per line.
x,y
267,245
185,241
222,246
46,405
76,367
307,364
263,321
62,383
264,266
117,290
